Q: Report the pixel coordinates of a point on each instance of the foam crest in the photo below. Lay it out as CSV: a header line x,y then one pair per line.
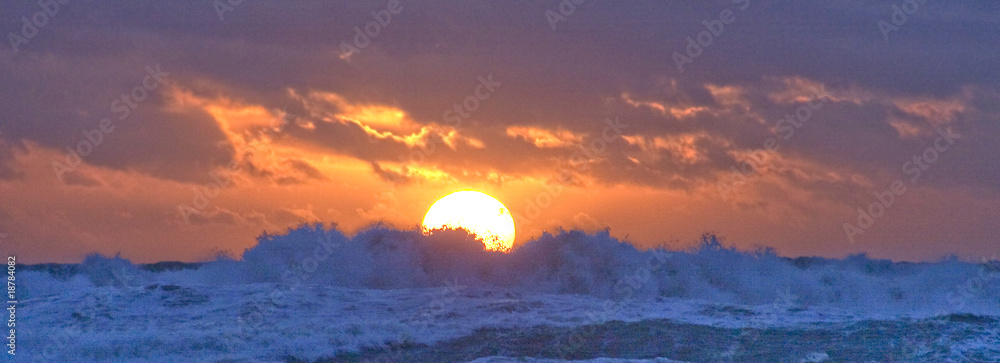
x,y
568,262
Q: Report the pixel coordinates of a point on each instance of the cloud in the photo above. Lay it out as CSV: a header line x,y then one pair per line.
x,y
390,175
382,117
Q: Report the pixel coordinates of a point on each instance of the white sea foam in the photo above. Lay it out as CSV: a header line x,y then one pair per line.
x,y
571,263
314,292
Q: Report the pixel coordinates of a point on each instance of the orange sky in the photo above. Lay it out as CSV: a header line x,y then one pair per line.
x,y
256,124
279,182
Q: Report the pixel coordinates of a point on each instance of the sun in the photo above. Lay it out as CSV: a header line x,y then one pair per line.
x,y
476,212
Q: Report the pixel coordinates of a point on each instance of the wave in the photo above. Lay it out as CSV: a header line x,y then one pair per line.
x,y
565,262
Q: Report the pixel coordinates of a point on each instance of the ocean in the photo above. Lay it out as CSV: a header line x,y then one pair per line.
x,y
314,294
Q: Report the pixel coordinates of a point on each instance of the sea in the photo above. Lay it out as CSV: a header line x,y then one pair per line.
x,y
316,294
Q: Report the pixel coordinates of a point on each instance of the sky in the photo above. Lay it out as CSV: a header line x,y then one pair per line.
x,y
182,130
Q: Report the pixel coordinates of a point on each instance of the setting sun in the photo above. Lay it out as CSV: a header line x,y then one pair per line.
x,y
476,212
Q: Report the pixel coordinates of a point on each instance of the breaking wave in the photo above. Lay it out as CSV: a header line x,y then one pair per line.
x,y
567,262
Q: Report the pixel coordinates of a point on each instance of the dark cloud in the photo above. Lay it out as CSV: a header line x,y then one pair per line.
x,y
306,169
605,60
389,175
7,149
